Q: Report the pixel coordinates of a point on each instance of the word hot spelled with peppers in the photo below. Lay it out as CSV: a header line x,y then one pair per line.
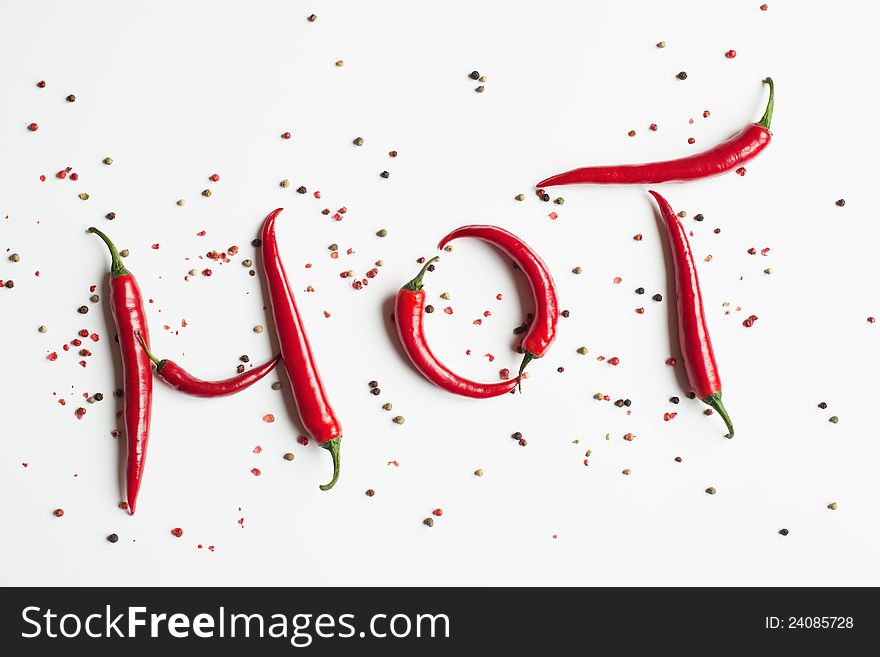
x,y
310,397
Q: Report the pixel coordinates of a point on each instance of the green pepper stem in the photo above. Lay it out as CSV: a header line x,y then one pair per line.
x,y
714,401
332,446
159,363
416,284
116,266
768,112
527,358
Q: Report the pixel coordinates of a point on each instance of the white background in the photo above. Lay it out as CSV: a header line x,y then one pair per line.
x,y
177,91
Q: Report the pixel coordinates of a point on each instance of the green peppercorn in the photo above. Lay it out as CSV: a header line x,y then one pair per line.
x,y
276,385
333,247
520,197
559,201
94,298
582,351
833,419
247,262
711,490
387,406
359,141
108,161
84,196
15,257
480,89
289,456
206,193
398,419
833,506
429,522
577,271
381,232
124,253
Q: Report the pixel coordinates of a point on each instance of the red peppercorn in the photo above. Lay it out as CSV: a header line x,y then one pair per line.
x,y
640,311
74,176
33,127
691,140
741,171
207,272
653,127
215,178
177,532
730,54
285,135
438,512
61,174
871,320
670,362
763,7
522,442
706,114
614,360
357,285
302,440
41,84
58,513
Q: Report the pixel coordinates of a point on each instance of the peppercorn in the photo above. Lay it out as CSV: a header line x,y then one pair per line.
x,y
289,456
58,513
340,63
480,89
15,257
83,196
559,201
627,402
674,400
619,403
398,419
94,298
276,385
710,490
682,75
840,202
9,285
577,271
560,369
375,391
99,396
682,214
833,506
627,471
392,153
108,161
82,310
110,216
258,329
382,232
429,309
478,472
384,174
661,44
257,242
43,329
247,262
698,217
359,141
565,313
640,290
783,532
387,406
833,419
516,435
657,297
445,296
285,183
113,538
520,197
677,459
582,351
312,18
692,395
429,522
301,189
823,405
631,133
193,272
545,197
370,492
206,193
181,202
474,75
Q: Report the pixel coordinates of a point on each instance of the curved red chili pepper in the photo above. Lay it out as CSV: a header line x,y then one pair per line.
x,y
409,317
542,330
693,334
724,157
178,378
314,409
127,307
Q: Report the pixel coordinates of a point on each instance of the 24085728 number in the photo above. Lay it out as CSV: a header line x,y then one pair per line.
x,y
809,623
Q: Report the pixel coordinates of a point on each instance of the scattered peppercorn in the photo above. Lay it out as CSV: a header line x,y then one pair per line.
x,y
312,18
181,202
674,400
545,197
627,471
94,298
520,197
392,153
71,98
384,174
657,297
276,385
478,472
43,329
833,506
113,538
429,522
58,513
370,492
206,193
9,285
840,202
582,351
289,456
429,309
398,419
833,419
340,63
631,133
387,406
301,189
516,435
258,329
640,290
577,271
285,183
474,75
108,161
565,313
677,459
692,395
15,257
661,44
359,141
682,75
823,405
83,196
247,262
257,242
783,532
698,217
711,490
110,216
82,310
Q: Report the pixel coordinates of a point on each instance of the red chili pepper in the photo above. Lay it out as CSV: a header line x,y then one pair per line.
x,y
182,381
693,334
127,307
542,330
314,409
725,157
409,316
